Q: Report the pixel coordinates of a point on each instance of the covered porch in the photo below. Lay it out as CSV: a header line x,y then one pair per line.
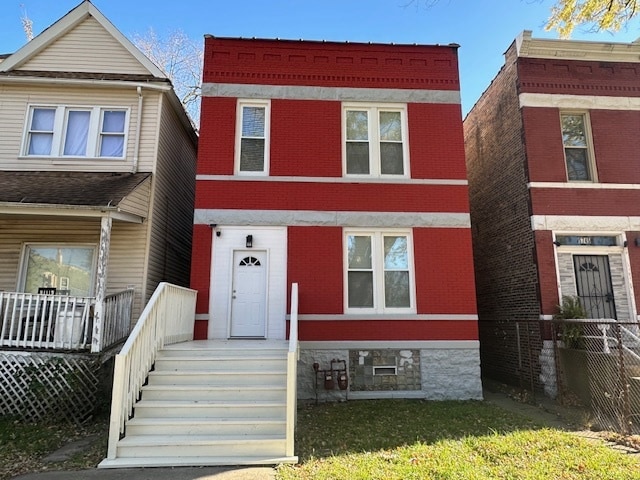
x,y
52,321
71,269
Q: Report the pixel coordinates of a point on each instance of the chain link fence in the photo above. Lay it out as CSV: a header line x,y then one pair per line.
x,y
598,366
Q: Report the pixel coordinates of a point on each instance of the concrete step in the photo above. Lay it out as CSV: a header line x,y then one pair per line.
x,y
228,348
195,377
189,426
209,409
209,460
211,392
219,363
200,445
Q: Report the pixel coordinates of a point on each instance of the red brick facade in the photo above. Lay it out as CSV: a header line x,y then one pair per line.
x,y
522,198
306,175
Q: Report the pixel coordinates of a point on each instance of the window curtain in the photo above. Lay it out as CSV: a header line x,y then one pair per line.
x,y
41,136
112,138
75,142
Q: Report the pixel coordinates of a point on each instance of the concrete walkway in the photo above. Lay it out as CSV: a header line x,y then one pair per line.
x,y
178,473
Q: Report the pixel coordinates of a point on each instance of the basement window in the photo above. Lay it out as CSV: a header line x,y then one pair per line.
x,y
385,370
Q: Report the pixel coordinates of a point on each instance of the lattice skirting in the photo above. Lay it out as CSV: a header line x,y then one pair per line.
x,y
36,386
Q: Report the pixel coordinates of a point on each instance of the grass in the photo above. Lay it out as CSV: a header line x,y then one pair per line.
x,y
412,439
376,439
24,445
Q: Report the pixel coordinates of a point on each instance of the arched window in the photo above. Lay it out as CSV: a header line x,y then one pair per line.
x,y
249,262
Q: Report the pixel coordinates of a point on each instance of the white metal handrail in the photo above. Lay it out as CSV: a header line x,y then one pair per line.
x,y
168,318
603,324
292,369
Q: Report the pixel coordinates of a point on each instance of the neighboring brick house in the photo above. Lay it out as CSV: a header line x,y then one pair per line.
x,y
339,166
553,156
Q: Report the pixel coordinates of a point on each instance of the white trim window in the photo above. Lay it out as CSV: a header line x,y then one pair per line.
x,y
76,132
375,140
378,267
252,138
578,151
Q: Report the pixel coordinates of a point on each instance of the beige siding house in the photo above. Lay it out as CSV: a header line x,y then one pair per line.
x,y
97,178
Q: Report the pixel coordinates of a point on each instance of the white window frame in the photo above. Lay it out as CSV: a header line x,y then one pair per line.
x,y
266,104
26,247
377,259
60,131
591,164
374,110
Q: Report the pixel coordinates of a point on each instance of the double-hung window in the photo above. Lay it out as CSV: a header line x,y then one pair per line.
x,y
375,140
379,272
578,153
252,144
86,132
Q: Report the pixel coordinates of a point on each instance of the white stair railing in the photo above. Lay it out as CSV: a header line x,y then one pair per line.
x,y
292,369
608,340
168,318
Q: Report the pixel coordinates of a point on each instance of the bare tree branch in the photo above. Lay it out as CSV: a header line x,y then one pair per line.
x,y
180,58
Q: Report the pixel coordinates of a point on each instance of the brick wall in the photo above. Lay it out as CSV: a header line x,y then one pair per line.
x,y
330,64
315,262
504,248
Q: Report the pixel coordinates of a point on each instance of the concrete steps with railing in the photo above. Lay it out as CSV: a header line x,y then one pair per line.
x,y
210,403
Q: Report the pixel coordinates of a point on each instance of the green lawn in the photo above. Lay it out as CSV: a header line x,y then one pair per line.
x,y
411,439
379,439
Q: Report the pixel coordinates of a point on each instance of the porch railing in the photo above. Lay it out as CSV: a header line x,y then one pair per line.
x,y
62,322
29,320
292,366
168,318
118,309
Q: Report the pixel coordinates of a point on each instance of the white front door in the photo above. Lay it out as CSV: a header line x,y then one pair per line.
x,y
249,294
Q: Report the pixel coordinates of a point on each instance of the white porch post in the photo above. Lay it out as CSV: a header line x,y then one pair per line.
x,y
101,283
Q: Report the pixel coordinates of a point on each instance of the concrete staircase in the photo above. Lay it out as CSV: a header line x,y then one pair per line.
x,y
210,403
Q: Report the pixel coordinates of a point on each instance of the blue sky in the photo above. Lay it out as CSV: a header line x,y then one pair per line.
x,y
483,28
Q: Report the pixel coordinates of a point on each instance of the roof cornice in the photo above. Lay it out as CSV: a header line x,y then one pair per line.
x,y
576,49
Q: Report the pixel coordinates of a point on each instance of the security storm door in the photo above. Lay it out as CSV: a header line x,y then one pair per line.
x,y
593,284
249,294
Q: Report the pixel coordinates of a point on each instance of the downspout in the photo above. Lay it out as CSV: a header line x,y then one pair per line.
x,y
134,168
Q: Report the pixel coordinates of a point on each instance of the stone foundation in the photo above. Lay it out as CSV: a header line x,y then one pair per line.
x,y
548,369
431,373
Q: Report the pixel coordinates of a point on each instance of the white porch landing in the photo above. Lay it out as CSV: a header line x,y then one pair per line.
x,y
210,403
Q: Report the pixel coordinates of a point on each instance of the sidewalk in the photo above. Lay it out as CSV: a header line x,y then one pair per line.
x,y
178,473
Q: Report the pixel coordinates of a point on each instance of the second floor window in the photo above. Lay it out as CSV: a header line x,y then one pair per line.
x,y
252,146
375,140
577,151
60,131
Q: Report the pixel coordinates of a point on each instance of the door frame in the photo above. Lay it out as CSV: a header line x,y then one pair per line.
x,y
619,249
226,239
266,291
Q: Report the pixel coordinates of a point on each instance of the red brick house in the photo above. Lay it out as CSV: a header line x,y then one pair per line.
x,y
553,155
339,167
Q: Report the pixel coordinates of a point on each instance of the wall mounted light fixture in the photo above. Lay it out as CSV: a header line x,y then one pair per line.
x,y
249,241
